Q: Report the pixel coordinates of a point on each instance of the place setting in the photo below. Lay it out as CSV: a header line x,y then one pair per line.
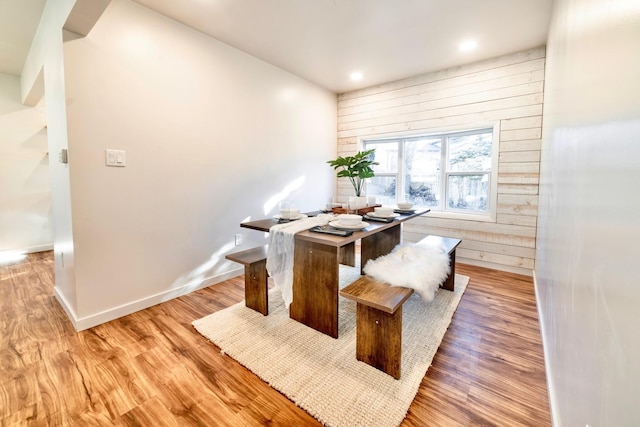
x,y
346,224
405,208
293,215
349,222
382,214
287,214
343,225
388,214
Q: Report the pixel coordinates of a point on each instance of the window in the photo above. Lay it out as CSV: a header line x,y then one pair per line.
x,y
448,172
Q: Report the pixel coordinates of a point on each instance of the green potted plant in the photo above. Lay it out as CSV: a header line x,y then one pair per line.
x,y
357,168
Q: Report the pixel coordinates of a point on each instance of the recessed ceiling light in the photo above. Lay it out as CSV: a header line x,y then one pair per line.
x,y
467,45
357,75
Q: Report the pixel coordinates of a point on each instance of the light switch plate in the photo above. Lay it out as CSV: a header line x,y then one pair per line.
x,y
117,158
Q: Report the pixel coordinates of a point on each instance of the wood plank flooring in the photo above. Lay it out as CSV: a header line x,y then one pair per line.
x,y
153,368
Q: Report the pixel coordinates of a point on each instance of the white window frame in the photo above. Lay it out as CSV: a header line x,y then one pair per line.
x,y
490,215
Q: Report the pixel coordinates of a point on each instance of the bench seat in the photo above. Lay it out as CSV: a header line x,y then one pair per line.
x,y
378,322
256,289
379,313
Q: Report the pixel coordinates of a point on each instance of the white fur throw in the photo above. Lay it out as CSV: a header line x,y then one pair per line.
x,y
420,267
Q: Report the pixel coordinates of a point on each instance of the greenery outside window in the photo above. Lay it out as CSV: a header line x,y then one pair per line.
x,y
447,172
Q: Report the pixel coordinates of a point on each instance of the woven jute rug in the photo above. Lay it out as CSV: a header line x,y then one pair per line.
x,y
321,374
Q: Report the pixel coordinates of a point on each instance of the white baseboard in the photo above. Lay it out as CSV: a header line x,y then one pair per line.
x,y
87,322
547,367
39,248
68,308
31,249
494,266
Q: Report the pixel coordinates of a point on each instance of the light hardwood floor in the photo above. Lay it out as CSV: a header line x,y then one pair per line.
x,y
153,368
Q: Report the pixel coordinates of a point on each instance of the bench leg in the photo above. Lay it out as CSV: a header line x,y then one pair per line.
x,y
256,288
379,339
449,282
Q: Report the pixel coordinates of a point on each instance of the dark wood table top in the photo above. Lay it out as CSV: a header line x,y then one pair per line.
x,y
328,239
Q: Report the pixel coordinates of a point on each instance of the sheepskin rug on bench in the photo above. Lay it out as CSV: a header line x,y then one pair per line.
x,y
420,267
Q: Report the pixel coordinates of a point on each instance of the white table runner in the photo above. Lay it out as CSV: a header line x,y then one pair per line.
x,y
280,254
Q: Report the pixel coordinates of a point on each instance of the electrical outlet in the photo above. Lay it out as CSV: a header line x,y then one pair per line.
x,y
238,239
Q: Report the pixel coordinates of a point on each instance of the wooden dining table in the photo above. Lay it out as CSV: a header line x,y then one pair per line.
x,y
316,261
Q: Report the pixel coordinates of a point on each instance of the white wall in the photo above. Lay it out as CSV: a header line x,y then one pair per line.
x,y
587,269
25,190
504,91
212,137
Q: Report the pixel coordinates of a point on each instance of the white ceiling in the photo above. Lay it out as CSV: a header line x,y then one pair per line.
x,y
324,41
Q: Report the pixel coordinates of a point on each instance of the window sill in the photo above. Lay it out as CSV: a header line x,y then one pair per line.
x,y
462,216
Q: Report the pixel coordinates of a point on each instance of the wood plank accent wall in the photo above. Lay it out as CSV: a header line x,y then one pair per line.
x,y
508,89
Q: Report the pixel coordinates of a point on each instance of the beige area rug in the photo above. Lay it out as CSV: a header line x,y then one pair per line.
x,y
321,374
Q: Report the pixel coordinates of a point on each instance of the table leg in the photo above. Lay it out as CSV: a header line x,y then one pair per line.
x,y
347,254
379,244
315,286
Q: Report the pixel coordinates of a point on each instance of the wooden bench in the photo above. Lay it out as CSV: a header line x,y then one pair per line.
x,y
450,244
379,313
255,277
378,322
